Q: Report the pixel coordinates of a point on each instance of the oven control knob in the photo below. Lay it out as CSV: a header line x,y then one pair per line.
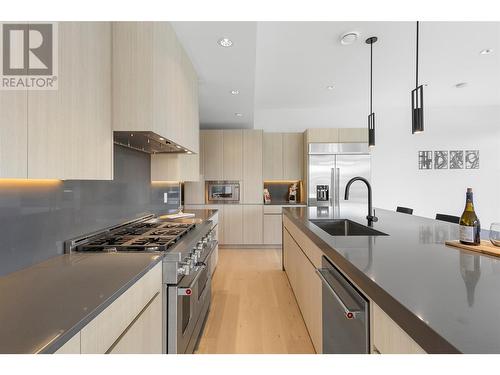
x,y
205,240
188,262
184,269
194,257
197,253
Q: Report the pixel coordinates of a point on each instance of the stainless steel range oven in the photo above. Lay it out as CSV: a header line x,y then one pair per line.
x,y
187,252
188,303
222,192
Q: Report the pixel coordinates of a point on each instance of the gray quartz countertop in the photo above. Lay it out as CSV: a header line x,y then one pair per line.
x,y
43,306
446,299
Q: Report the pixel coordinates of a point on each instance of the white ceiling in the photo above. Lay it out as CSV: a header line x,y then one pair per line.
x,y
282,70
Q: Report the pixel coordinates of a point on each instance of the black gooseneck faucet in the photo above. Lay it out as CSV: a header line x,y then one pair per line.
x,y
371,218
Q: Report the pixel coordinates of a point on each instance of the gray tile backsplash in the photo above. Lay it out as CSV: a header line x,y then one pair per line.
x,y
36,219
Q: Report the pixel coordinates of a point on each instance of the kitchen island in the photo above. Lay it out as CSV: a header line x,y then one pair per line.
x,y
443,298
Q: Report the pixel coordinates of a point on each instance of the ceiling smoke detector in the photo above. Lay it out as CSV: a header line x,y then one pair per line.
x,y
330,87
237,114
461,85
349,38
486,51
235,92
225,42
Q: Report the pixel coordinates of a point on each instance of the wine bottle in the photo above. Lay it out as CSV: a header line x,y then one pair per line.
x,y
470,228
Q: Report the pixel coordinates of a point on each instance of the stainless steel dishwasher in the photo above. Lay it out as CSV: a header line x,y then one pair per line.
x,y
346,316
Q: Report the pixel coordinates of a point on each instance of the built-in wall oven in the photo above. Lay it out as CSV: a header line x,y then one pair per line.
x,y
222,192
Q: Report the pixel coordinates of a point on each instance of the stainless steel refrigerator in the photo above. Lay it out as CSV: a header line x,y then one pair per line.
x,y
331,166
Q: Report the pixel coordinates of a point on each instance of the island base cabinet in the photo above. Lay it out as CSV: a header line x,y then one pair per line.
x,y
388,337
111,325
144,335
72,346
306,286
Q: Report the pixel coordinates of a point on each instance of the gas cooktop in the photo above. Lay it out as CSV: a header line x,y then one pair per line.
x,y
151,235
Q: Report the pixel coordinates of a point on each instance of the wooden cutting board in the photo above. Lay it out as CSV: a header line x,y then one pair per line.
x,y
486,247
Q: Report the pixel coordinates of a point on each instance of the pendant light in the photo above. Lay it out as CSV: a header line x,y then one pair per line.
x,y
371,116
417,101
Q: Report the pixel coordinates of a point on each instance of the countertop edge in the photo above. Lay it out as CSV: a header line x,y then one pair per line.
x,y
418,330
67,335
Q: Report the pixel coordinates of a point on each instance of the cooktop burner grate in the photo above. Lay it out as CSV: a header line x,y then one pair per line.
x,y
143,236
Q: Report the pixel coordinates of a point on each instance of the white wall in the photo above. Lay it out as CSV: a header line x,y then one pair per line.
x,y
398,181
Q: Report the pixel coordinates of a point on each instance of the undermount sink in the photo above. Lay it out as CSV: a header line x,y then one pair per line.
x,y
344,227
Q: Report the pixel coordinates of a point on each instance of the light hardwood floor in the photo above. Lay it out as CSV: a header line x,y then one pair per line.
x,y
253,307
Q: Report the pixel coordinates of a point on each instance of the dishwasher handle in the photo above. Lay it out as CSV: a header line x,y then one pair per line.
x,y
350,313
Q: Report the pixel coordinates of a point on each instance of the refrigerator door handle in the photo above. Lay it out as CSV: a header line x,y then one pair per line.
x,y
332,199
337,188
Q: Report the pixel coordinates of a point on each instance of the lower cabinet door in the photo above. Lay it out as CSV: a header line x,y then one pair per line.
x,y
232,224
252,224
72,346
144,335
272,229
388,337
307,288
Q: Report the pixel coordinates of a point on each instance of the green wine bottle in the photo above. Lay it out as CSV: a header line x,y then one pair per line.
x,y
470,228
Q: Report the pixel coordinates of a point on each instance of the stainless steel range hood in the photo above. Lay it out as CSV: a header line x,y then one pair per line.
x,y
148,142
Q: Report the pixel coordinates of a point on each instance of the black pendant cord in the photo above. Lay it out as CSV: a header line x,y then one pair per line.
x,y
416,78
371,77
417,95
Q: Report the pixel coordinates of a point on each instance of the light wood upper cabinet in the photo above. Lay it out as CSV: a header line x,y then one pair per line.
x,y
252,167
69,129
212,154
232,160
322,135
252,224
293,156
353,135
175,167
283,156
273,156
13,134
155,87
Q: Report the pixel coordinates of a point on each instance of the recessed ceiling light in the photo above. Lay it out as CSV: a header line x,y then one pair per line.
x,y
178,146
161,139
189,152
235,92
349,38
237,114
461,85
486,51
330,87
225,42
